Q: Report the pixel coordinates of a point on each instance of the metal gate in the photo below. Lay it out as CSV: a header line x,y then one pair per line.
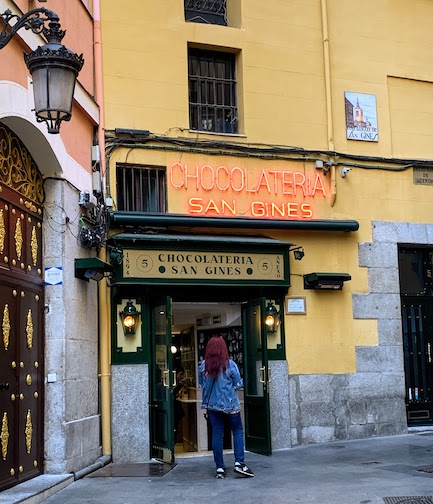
x,y
416,290
21,313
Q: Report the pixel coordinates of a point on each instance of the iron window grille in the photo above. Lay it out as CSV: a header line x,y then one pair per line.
x,y
141,189
212,91
206,11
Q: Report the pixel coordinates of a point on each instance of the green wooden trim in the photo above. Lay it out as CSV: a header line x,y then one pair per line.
x,y
137,219
206,244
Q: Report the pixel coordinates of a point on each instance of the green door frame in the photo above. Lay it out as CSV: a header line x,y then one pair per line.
x,y
256,378
161,391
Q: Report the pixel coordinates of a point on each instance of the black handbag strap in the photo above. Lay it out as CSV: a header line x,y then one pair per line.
x,y
210,393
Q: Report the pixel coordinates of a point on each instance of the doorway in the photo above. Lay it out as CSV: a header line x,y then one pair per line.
x,y
416,287
180,332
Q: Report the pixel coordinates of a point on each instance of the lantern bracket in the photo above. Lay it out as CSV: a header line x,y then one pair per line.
x,y
33,20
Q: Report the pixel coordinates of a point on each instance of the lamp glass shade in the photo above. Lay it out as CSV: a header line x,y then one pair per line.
x,y
53,90
129,316
129,321
54,69
272,318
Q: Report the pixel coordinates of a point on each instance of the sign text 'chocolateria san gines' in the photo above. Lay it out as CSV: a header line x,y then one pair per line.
x,y
233,191
196,265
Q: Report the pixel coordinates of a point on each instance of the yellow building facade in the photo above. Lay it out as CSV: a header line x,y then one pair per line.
x,y
257,132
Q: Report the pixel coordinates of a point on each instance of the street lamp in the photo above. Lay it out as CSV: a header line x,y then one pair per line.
x,y
54,68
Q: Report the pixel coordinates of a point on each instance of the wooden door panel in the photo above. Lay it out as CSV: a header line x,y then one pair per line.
x,y
30,380
8,383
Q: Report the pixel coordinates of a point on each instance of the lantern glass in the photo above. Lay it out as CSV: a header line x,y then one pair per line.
x,y
129,316
129,321
53,89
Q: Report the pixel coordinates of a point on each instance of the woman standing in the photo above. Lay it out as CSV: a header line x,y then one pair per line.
x,y
219,377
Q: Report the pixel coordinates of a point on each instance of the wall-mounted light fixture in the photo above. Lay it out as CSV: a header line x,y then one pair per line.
x,y
130,317
325,281
272,319
298,253
53,67
92,268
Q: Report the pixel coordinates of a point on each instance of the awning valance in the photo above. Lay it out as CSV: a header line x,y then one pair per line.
x,y
140,219
187,259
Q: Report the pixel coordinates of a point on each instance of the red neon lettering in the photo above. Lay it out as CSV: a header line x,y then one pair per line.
x,y
307,213
212,206
287,180
211,176
232,208
300,183
232,179
275,209
263,181
227,173
258,209
275,173
292,209
195,204
188,176
180,167
318,185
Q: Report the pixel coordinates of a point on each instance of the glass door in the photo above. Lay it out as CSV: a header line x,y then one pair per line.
x,y
256,378
162,381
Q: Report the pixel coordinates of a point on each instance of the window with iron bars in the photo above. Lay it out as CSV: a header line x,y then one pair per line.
x,y
141,189
212,91
206,11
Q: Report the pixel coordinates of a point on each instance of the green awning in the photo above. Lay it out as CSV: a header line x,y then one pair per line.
x,y
141,219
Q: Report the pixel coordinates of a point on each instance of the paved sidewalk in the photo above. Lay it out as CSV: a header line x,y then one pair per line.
x,y
345,472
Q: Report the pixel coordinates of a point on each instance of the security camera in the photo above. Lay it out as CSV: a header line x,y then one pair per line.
x,y
344,171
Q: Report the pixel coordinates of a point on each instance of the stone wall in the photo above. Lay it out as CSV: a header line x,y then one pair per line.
x,y
370,402
72,418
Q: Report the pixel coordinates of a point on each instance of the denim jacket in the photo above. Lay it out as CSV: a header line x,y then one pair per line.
x,y
222,397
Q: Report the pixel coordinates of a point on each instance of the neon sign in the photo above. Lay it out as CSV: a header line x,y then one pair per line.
x,y
229,192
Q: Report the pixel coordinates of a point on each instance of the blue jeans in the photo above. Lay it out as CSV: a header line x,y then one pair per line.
x,y
217,419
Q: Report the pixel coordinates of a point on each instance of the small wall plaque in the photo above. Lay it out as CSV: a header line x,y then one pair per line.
x,y
423,176
296,305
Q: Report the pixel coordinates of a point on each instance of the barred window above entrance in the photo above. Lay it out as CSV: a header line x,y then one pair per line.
x,y
212,91
141,188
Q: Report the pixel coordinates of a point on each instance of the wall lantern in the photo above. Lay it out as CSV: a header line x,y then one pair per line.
x,y
272,317
92,268
53,67
325,281
130,317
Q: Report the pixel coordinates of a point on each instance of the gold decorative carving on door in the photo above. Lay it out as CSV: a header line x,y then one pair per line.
x,y
34,246
5,436
18,239
29,329
2,231
29,431
19,171
6,326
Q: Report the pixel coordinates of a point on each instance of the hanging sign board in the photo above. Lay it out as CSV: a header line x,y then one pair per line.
x,y
191,266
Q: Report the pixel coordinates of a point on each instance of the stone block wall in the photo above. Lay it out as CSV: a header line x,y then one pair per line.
x,y
72,417
370,402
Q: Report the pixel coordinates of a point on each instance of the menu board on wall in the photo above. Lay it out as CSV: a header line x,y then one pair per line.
x,y
233,338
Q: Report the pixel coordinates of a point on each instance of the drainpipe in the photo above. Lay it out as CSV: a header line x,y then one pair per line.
x,y
103,306
327,64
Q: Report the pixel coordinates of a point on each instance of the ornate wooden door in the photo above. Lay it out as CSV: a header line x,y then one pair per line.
x,y
21,314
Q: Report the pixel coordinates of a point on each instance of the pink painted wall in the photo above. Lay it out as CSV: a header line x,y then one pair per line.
x,y
76,20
